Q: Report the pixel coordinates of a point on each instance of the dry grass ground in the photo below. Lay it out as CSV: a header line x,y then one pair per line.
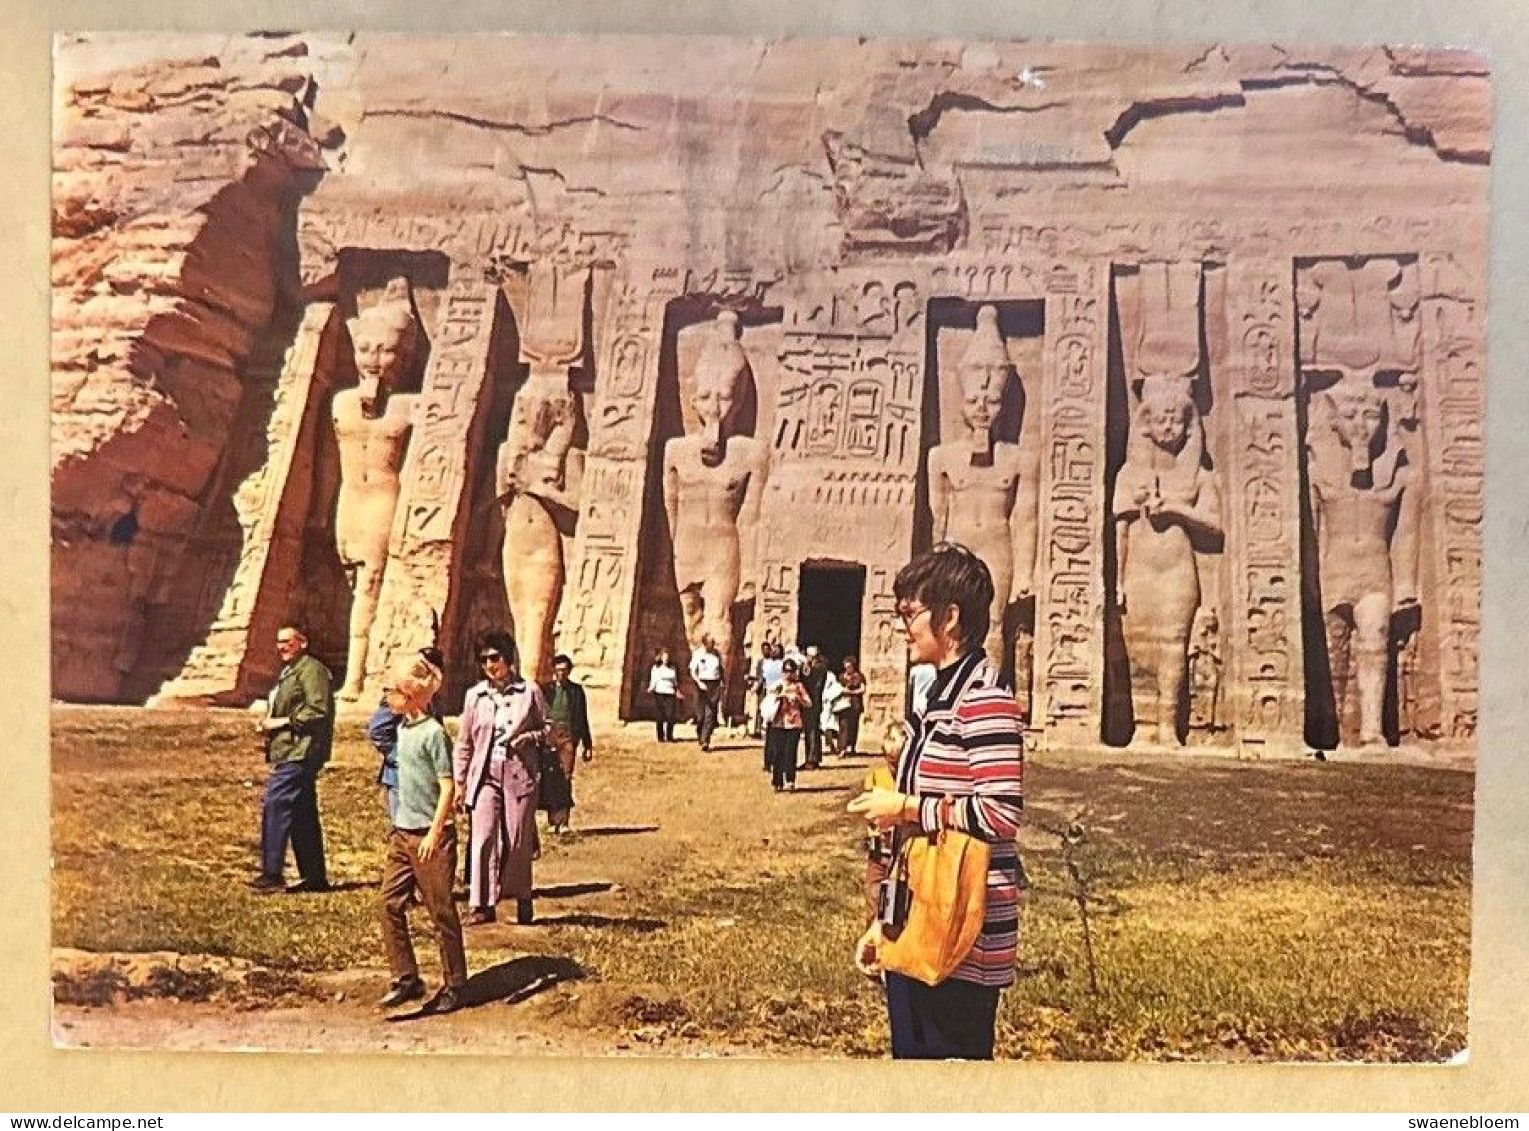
x,y
1198,909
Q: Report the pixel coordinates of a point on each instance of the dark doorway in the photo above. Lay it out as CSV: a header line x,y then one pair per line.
x,y
829,606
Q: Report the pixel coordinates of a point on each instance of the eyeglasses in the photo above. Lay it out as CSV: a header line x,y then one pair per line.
x,y
908,616
490,657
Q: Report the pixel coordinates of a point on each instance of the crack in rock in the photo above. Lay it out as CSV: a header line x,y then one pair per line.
x,y
522,130
922,123
1148,108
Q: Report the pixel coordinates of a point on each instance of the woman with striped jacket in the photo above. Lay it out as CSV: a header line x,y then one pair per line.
x,y
962,767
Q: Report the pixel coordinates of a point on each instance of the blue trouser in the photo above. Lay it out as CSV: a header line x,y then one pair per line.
x,y
291,812
953,1020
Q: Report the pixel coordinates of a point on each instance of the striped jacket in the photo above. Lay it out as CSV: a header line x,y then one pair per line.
x,y
968,746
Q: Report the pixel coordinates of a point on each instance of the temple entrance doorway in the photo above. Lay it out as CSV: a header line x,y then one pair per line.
x,y
829,608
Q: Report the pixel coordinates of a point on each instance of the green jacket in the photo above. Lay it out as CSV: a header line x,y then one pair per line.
x,y
302,694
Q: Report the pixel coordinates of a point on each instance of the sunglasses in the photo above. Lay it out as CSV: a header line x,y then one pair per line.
x,y
490,657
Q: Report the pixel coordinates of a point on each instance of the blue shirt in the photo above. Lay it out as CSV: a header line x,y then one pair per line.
x,y
424,758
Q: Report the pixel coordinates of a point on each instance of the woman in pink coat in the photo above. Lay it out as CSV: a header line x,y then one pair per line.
x,y
497,764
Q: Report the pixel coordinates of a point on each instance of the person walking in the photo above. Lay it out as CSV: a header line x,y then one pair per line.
x,y
851,706
298,727
382,733
706,671
422,843
784,731
568,734
961,768
814,676
663,685
497,768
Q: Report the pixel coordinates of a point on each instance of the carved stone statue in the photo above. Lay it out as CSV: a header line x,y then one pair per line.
x,y
372,426
1164,497
537,487
713,483
977,491
1366,511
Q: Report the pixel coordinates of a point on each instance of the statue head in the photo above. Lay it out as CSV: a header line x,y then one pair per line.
x,y
1165,412
719,373
984,371
385,336
1358,414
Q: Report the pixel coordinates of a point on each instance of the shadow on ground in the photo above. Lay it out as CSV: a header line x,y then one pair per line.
x,y
510,982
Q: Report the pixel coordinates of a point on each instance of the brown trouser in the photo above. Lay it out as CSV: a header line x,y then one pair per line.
x,y
403,873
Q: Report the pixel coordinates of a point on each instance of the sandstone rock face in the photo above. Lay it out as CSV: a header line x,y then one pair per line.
x,y
175,184
1168,260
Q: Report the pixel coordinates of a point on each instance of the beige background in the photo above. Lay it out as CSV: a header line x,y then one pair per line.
x,y
36,1077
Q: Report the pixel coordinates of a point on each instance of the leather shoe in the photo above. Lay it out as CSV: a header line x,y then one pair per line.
x,y
308,885
524,912
404,989
449,1000
266,885
480,915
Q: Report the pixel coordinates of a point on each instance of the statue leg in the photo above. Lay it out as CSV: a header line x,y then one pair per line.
x,y
692,612
533,581
1372,625
1340,631
1172,660
366,587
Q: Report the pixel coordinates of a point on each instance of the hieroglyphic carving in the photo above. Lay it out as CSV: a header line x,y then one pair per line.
x,y
594,627
1265,655
1070,600
214,667
424,558
1453,393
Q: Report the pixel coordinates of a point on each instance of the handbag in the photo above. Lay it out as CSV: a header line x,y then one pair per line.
x,y
944,875
769,708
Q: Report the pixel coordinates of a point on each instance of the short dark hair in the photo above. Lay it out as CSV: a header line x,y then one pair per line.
x,y
498,640
949,575
562,658
790,666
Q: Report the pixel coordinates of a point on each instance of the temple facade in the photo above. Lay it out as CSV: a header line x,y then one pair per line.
x,y
626,342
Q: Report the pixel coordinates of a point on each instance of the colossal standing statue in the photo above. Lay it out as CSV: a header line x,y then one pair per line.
x,y
1164,497
540,469
371,426
977,492
538,488
713,482
1365,509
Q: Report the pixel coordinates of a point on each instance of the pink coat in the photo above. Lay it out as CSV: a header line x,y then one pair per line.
x,y
528,712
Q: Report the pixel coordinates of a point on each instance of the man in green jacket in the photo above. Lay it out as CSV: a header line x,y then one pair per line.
x,y
298,726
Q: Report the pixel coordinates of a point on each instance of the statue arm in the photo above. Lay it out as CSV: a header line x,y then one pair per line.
x,y
671,491
748,516
1022,534
1404,545
1122,551
939,495
1203,513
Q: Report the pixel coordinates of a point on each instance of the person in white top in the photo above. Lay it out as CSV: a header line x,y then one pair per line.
x,y
663,685
706,670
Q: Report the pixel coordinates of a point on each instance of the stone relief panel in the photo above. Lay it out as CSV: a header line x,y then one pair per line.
x,y
1265,506
434,512
1451,403
1366,478
1070,563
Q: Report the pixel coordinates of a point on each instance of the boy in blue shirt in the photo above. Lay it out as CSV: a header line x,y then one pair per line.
x,y
422,844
